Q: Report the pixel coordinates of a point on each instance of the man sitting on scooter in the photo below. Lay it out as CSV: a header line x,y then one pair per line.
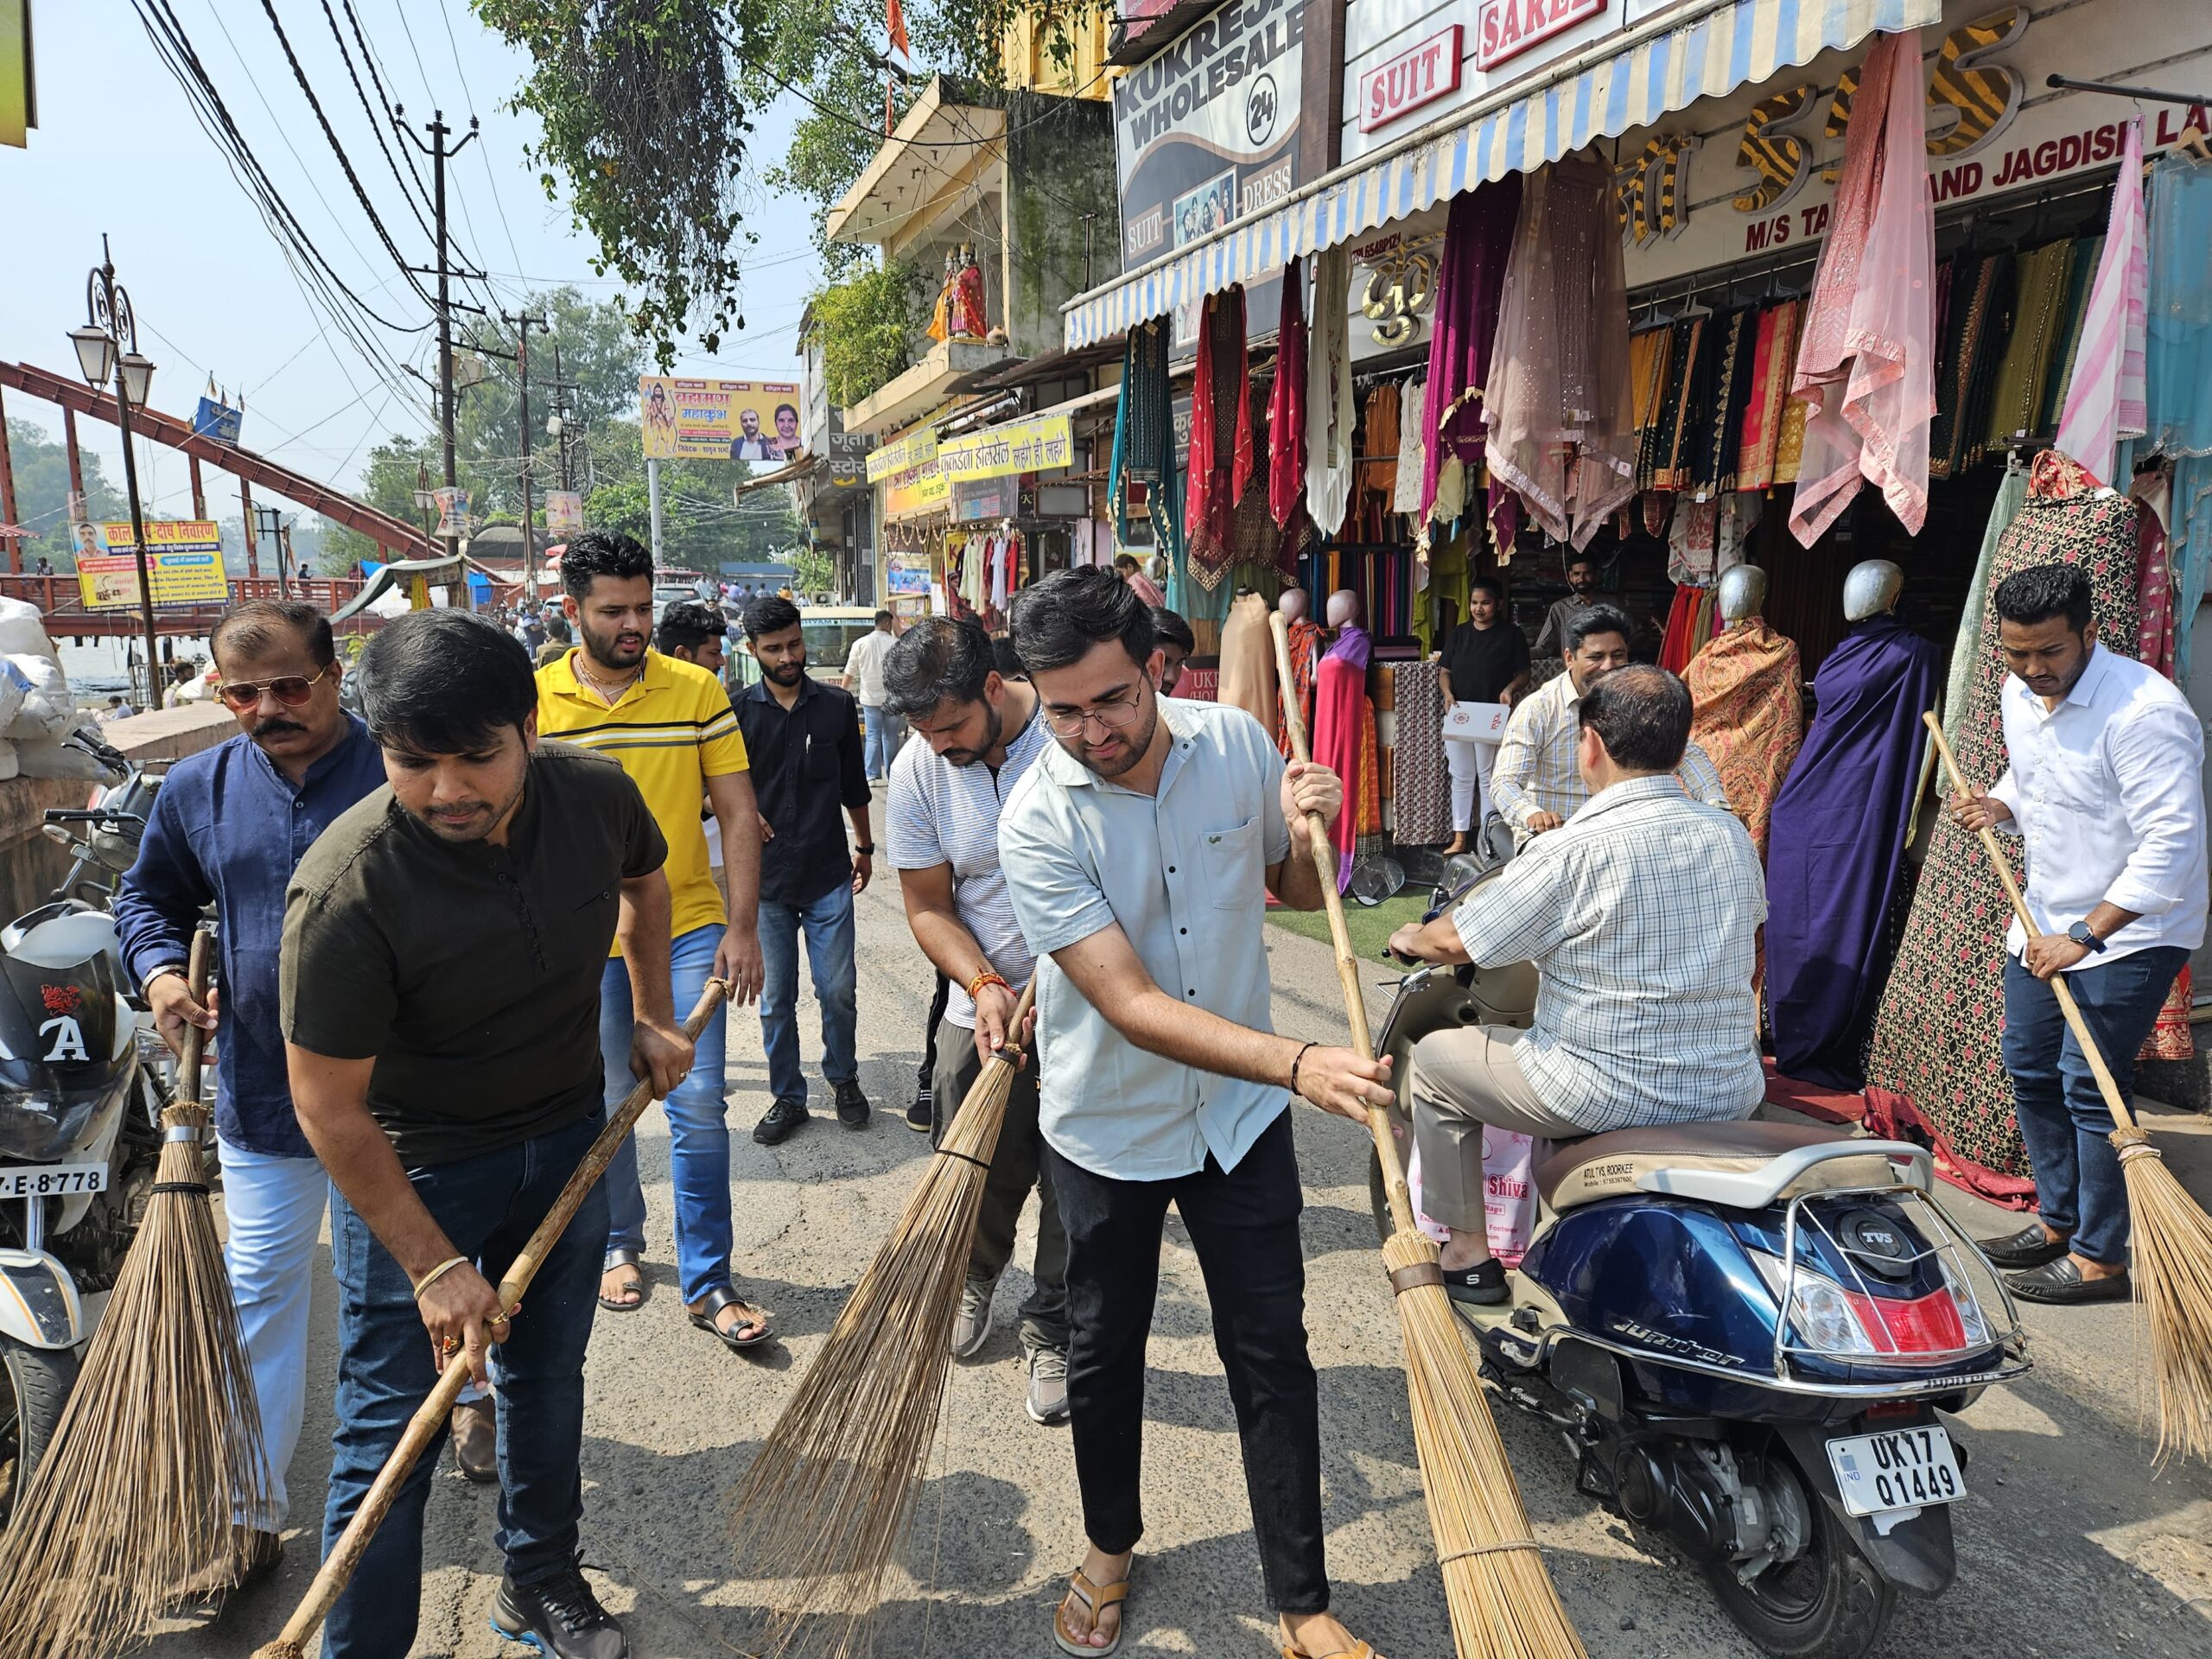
x,y
1640,915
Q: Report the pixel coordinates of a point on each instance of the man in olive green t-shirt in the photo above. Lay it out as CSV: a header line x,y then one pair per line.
x,y
439,975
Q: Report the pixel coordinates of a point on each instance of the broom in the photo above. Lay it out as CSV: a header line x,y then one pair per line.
x,y
830,1497
2172,1236
1502,1603
430,1416
130,1511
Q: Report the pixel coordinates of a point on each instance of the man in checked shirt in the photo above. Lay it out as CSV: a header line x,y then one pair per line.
x,y
1641,915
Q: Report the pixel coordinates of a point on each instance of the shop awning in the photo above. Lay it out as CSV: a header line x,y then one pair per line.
x,y
1709,48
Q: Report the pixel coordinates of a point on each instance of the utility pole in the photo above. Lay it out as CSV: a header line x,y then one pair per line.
x,y
524,324
439,155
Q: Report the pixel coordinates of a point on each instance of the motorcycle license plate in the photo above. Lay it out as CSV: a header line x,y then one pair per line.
x,y
1896,1469
52,1180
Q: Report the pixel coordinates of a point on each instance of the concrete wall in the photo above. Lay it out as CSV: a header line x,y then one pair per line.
x,y
1063,211
30,864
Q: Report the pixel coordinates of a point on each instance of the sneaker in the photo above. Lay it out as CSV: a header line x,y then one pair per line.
x,y
560,1617
475,1425
1048,1386
972,1329
922,1114
852,1105
784,1119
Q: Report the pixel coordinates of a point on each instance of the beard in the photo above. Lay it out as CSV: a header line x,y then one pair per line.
x,y
621,649
478,820
1136,743
785,673
993,728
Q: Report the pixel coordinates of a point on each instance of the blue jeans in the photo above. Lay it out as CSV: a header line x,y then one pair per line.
x,y
879,741
487,1205
828,922
273,1208
2079,1190
698,1156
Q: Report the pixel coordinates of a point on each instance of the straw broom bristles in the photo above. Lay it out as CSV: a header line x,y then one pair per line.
x,y
1502,1603
2172,1235
131,1512
338,1567
830,1497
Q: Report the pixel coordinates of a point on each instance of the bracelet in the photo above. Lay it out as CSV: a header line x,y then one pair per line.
x,y
1296,1061
438,1273
989,976
867,851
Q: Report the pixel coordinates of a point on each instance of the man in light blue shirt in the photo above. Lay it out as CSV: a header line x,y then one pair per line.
x,y
1139,849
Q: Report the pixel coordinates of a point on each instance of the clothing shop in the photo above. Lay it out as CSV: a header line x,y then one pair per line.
x,y
1575,308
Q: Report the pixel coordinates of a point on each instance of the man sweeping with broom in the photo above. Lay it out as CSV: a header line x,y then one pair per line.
x,y
1139,850
442,952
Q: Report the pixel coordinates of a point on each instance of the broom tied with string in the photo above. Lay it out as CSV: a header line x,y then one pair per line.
x,y
829,1499
131,1511
338,1567
1502,1603
2172,1234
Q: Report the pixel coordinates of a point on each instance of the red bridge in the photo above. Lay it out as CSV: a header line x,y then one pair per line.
x,y
68,618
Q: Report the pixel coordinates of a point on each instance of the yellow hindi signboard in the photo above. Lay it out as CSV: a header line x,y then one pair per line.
x,y
1036,445
184,564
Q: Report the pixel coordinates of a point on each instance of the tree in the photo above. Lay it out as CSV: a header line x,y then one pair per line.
x,y
396,469
41,469
867,322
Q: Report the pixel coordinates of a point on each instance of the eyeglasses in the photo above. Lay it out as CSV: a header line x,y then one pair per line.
x,y
291,689
1110,716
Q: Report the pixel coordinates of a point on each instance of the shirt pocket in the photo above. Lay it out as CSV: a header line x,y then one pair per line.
x,y
1235,879
818,758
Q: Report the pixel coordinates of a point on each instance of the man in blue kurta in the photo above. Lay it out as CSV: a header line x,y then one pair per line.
x,y
227,827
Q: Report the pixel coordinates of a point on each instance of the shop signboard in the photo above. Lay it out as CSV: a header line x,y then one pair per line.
x,y
718,420
1506,29
907,570
184,564
218,420
1039,444
912,493
1413,79
1753,174
1205,130
978,501
916,448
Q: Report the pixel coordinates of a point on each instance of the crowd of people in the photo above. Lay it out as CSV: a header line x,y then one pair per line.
x,y
457,929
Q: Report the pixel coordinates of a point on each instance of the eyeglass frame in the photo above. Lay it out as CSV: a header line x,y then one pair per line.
x,y
268,688
1126,710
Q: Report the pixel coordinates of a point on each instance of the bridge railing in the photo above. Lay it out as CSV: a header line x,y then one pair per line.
x,y
59,596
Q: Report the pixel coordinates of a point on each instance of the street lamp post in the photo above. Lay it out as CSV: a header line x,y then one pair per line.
x,y
270,523
107,348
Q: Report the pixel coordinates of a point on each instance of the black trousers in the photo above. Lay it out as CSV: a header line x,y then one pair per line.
x,y
1244,1224
1014,1169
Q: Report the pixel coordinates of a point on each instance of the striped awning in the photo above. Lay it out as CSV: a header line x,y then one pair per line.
x,y
1726,44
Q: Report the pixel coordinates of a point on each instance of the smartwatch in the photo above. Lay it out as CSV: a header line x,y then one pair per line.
x,y
2080,935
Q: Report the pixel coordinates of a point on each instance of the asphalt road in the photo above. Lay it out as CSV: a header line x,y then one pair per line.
x,y
2070,1546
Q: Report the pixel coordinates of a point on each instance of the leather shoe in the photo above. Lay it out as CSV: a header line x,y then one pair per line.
x,y
475,1425
2061,1283
2029,1248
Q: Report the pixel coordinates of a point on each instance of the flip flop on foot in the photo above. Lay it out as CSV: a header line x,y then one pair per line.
x,y
748,1330
1097,1606
621,1284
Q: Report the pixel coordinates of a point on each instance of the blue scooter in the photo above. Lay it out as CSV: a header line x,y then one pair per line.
x,y
1747,1334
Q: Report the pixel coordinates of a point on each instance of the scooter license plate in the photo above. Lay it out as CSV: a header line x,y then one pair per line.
x,y
1896,1469
52,1180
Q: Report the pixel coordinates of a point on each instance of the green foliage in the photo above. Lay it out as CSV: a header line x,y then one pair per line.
x,y
397,467
866,323
41,468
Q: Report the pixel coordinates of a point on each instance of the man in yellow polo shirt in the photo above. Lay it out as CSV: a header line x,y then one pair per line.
x,y
670,725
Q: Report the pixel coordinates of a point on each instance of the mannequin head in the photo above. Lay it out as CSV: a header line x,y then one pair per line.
x,y
1344,608
1743,594
1871,588
1294,604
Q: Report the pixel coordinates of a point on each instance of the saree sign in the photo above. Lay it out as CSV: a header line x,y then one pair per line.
x,y
1506,28
1206,130
1031,446
1766,184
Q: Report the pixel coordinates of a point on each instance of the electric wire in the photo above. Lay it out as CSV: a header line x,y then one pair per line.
x,y
377,121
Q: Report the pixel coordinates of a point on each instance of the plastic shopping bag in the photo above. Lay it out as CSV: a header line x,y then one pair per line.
x,y
1508,1194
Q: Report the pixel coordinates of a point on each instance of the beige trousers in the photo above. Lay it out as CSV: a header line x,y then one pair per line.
x,y
1463,1080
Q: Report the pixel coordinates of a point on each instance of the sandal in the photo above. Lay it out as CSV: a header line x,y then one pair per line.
x,y
634,1260
1093,1596
1361,1651
713,1302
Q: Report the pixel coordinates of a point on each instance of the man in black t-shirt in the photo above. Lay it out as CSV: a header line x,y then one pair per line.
x,y
1484,660
443,945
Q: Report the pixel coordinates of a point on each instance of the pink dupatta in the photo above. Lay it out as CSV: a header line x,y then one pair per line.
x,y
2104,400
1866,366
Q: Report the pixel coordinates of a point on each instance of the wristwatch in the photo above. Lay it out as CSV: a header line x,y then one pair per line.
x,y
2080,935
867,851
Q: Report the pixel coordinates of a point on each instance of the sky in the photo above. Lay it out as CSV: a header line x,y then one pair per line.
x,y
119,151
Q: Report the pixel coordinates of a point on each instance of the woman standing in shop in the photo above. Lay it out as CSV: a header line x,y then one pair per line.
x,y
1486,659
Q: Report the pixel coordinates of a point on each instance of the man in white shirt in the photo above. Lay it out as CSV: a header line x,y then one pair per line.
x,y
863,677
1642,916
2106,790
1535,784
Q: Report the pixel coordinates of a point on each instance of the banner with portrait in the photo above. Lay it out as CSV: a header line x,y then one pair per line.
x,y
719,420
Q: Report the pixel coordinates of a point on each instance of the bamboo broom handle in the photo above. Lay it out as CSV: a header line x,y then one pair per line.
x,y
2120,1115
338,1567
1325,865
195,1040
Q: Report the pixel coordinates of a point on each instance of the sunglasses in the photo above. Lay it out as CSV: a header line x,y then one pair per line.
x,y
291,689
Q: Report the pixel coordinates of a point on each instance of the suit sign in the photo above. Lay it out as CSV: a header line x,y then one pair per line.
x,y
1206,130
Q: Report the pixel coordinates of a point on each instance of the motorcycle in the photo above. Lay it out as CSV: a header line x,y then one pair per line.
x,y
1747,1335
83,1081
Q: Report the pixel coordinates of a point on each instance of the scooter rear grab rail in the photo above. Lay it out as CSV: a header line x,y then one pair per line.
x,y
1758,1188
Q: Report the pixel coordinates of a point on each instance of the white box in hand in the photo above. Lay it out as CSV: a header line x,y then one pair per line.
x,y
1476,722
